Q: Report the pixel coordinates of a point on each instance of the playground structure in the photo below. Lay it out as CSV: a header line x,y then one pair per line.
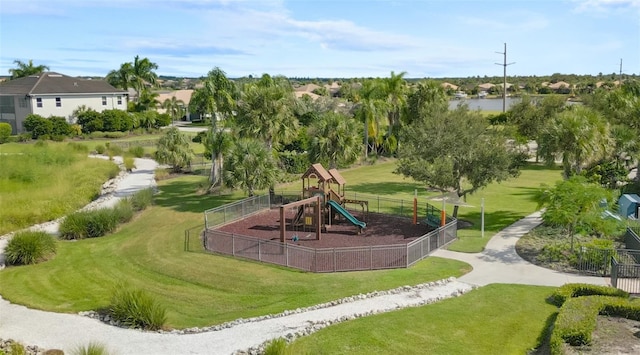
x,y
323,203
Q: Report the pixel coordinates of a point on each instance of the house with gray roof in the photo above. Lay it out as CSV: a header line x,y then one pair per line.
x,y
52,94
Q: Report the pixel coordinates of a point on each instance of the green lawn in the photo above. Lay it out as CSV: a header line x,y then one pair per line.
x,y
199,289
505,203
495,319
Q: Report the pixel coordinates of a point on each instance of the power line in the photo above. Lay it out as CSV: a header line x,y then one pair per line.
x,y
504,83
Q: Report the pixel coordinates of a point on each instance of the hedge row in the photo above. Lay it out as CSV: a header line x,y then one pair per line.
x,y
577,318
565,292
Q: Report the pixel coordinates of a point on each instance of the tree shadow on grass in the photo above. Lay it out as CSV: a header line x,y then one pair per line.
x,y
493,221
385,188
182,196
529,192
543,345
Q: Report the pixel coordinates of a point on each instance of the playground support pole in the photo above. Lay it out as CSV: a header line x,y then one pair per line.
x,y
318,217
443,213
282,227
415,206
482,217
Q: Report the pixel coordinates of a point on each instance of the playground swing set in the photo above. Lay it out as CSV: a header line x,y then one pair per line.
x,y
323,202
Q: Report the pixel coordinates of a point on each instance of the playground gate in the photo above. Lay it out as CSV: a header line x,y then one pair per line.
x,y
318,260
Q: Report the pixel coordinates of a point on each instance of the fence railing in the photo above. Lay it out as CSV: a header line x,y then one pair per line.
x,y
235,211
322,259
625,276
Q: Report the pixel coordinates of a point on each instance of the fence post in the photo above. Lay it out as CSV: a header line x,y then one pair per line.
x,y
286,255
614,272
259,250
233,244
334,260
407,247
370,258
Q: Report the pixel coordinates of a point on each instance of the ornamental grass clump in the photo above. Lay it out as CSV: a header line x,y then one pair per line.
x,y
29,248
92,348
141,199
136,308
89,224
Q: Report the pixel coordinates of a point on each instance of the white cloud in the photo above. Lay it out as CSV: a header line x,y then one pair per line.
x,y
601,6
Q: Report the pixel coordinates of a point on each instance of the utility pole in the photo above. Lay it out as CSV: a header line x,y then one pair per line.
x,y
620,76
504,82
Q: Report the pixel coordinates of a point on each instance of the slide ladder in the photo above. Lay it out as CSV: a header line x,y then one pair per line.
x,y
353,220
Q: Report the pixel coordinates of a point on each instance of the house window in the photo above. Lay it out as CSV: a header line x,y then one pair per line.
x,y
38,102
119,100
58,102
22,102
104,101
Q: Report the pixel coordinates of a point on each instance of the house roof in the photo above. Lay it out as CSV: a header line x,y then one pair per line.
x,y
300,94
449,85
337,177
486,86
307,88
183,95
54,83
559,84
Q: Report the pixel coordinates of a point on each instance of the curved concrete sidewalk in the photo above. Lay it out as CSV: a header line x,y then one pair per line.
x,y
499,262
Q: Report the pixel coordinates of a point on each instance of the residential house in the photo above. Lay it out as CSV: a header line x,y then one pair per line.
x,y
53,94
182,95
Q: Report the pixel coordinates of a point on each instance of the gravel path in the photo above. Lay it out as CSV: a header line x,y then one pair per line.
x,y
498,263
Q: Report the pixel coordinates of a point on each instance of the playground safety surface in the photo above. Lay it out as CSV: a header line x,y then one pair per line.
x,y
381,230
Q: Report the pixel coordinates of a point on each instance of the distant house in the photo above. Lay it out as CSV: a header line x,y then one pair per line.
x,y
182,95
53,94
561,87
448,86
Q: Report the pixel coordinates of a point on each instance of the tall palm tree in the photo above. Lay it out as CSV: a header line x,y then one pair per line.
x,y
217,144
142,72
26,69
371,111
395,88
121,78
336,140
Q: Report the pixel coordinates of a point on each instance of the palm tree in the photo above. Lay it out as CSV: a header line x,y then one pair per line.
x,y
370,111
147,100
142,72
217,144
26,69
173,149
578,136
335,140
251,166
137,75
395,88
121,78
266,111
174,107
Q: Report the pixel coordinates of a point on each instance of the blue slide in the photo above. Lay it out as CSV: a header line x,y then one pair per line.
x,y
336,206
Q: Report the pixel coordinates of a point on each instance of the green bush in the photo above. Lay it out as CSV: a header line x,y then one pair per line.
x,y
89,224
137,309
114,134
115,150
276,347
38,126
29,248
91,349
123,211
141,199
567,291
17,349
100,149
78,147
161,173
129,163
137,151
97,134
578,316
5,132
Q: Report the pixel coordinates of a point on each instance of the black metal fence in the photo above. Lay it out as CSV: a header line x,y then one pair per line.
x,y
625,276
325,259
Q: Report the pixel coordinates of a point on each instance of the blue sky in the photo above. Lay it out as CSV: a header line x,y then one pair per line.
x,y
328,38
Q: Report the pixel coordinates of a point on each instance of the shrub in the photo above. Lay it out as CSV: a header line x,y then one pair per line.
x,y
276,347
29,248
161,174
59,126
5,132
17,349
24,137
115,150
91,121
91,349
137,309
75,130
37,125
567,291
123,211
137,151
114,134
141,199
100,149
89,224
129,163
78,147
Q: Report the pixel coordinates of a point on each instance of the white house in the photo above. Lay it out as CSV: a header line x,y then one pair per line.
x,y
53,94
